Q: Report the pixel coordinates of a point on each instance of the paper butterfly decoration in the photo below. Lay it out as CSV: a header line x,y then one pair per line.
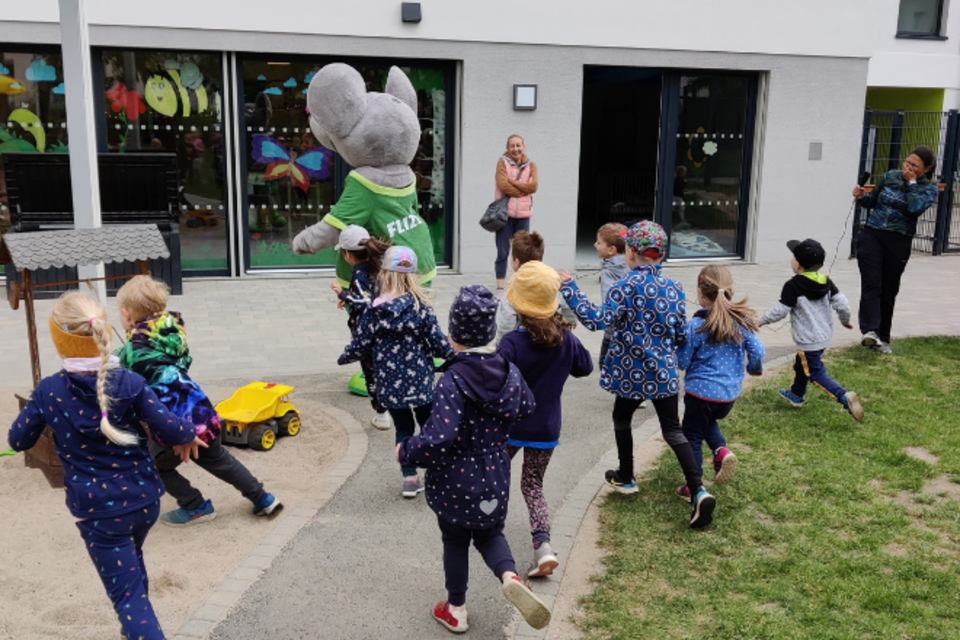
x,y
314,163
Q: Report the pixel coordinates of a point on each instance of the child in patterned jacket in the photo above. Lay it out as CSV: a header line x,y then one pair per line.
x,y
157,349
97,412
648,313
463,447
399,334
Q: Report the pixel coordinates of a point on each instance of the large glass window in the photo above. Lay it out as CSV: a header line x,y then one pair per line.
x,y
169,101
920,18
292,181
33,113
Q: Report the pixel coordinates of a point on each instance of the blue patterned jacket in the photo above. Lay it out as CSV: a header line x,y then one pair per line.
x,y
898,204
648,314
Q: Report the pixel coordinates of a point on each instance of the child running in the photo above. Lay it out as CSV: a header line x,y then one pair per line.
x,y
157,349
97,411
364,254
808,297
546,352
610,249
399,335
720,335
648,313
463,447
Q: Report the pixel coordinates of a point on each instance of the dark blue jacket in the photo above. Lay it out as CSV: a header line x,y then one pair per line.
x,y
546,371
897,204
358,296
401,341
463,446
102,479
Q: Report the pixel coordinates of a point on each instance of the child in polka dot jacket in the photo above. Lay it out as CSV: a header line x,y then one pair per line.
x,y
648,314
719,337
463,447
96,411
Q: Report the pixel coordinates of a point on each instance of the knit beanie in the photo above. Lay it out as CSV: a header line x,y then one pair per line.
x,y
533,290
72,345
473,316
647,238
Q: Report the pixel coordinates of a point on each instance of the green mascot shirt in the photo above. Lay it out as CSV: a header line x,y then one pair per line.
x,y
386,213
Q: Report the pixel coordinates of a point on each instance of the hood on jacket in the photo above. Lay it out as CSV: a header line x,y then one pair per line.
x,y
394,315
491,383
163,332
811,289
85,387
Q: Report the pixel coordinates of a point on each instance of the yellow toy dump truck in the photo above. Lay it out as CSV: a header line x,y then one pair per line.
x,y
257,414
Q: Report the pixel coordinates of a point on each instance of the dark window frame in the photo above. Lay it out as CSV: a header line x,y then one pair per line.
x,y
936,34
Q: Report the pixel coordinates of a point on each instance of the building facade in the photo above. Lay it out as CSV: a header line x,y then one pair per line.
x,y
735,124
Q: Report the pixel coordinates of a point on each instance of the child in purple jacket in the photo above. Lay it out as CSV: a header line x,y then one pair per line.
x,y
463,447
547,353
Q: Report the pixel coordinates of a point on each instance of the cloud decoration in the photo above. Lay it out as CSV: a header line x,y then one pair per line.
x,y
309,77
59,89
710,148
273,91
4,71
262,78
291,83
306,90
40,71
16,85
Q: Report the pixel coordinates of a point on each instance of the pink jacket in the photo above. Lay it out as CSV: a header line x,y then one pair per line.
x,y
520,183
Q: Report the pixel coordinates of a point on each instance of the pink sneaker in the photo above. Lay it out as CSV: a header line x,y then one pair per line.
x,y
725,465
683,492
455,621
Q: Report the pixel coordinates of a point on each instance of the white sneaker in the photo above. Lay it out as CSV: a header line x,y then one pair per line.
x,y
382,421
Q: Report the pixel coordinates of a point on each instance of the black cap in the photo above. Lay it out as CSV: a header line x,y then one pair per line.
x,y
809,253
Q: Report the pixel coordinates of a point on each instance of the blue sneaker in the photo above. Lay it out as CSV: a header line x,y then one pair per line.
x,y
621,484
267,505
181,516
791,397
703,506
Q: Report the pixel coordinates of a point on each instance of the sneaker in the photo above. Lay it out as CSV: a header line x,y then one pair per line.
x,y
455,621
533,609
544,561
499,293
851,403
683,492
621,484
181,516
382,421
268,504
703,506
882,347
791,397
412,485
724,465
870,339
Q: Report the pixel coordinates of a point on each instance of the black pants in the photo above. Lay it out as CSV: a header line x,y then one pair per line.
x,y
701,422
882,256
669,415
504,236
492,546
403,422
215,460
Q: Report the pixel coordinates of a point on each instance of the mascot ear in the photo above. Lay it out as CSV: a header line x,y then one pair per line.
x,y
337,99
399,86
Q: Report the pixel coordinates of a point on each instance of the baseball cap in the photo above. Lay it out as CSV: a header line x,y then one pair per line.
x,y
400,259
646,237
351,238
809,253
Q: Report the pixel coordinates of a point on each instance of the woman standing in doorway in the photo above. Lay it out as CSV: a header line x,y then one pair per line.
x,y
884,244
516,178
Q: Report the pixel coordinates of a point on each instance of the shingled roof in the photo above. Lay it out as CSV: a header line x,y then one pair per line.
x,y
68,248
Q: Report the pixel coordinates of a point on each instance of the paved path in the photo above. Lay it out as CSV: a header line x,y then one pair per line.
x,y
358,561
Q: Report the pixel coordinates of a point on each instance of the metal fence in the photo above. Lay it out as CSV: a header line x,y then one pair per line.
x,y
888,138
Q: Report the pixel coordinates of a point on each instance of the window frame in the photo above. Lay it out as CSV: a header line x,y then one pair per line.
x,y
936,34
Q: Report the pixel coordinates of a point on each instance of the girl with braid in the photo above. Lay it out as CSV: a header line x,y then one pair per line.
x,y
97,412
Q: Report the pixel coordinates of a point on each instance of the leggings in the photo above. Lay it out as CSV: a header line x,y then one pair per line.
x,y
116,547
535,463
504,236
404,423
668,414
492,546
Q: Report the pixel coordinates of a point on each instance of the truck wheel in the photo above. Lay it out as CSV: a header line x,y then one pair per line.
x,y
262,437
289,424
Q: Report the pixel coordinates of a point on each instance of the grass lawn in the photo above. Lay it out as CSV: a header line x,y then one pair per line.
x,y
830,529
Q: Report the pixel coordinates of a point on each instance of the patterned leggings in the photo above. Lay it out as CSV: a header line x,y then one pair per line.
x,y
535,463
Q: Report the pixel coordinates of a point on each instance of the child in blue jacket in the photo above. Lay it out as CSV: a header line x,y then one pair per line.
x,y
721,335
96,411
463,447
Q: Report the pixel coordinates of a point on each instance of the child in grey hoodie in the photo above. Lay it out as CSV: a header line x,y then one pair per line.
x,y
611,248
807,298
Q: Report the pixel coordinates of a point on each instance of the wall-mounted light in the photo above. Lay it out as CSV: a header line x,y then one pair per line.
x,y
410,12
524,97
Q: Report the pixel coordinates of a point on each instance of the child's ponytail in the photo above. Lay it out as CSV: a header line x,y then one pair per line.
x,y
373,254
726,319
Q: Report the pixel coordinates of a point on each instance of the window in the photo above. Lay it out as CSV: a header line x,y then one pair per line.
x,y
920,18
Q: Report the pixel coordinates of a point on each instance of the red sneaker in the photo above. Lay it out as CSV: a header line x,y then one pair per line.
x,y
683,492
455,621
725,465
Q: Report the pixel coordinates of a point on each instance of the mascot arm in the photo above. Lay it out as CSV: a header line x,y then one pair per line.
x,y
316,237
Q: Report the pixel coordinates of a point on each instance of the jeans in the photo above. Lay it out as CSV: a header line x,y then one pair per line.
x,y
535,463
700,423
882,256
115,546
403,421
492,546
215,460
504,236
808,367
